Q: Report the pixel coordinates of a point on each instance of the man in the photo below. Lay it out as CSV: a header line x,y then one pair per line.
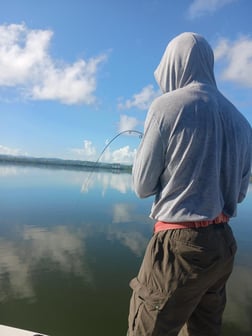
x,y
195,157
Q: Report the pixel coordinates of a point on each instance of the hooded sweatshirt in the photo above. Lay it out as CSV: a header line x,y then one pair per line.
x,y
196,152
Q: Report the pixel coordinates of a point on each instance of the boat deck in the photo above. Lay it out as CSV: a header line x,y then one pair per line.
x,y
9,331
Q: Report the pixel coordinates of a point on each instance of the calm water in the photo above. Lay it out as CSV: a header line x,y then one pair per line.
x,y
68,251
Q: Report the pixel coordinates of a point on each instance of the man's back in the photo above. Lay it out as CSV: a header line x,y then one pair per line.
x,y
195,157
195,152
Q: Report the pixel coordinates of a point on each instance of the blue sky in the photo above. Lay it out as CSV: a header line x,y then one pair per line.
x,y
76,73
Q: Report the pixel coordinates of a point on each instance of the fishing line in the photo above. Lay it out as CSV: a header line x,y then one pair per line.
x,y
85,185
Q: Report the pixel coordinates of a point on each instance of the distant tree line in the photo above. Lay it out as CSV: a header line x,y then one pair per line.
x,y
68,164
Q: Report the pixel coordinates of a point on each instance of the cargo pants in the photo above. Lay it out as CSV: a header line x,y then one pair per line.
x,y
180,287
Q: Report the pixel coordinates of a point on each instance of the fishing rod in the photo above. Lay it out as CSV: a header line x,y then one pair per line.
x,y
84,188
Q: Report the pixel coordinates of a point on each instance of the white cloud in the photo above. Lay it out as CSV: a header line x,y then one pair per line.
x,y
237,56
25,62
141,100
202,7
123,155
21,52
127,123
11,151
88,152
70,84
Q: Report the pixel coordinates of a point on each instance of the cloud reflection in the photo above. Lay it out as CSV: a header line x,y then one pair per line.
x,y
9,171
134,240
122,212
14,272
239,308
60,245
106,181
119,182
18,259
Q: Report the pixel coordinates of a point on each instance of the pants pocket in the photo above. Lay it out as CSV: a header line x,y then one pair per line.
x,y
195,258
145,306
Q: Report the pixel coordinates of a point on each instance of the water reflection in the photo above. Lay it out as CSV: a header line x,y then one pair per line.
x,y
116,181
64,247
122,212
19,258
7,171
73,253
237,316
14,273
239,309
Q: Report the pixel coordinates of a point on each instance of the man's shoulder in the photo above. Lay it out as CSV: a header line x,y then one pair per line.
x,y
176,97
231,112
175,101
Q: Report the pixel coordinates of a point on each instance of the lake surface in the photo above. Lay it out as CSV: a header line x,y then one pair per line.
x,y
70,242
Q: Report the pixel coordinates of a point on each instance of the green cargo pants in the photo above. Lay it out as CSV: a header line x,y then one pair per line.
x,y
181,283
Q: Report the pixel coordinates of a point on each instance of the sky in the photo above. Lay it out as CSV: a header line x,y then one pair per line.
x,y
75,74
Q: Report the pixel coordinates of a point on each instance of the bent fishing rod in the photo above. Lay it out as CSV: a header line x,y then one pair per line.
x,y
84,188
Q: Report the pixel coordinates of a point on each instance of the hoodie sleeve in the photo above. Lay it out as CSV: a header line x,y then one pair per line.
x,y
149,161
246,174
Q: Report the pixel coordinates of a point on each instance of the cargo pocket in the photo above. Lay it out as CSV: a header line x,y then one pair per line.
x,y
145,306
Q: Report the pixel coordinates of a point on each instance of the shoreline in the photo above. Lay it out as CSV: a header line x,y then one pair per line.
x,y
64,163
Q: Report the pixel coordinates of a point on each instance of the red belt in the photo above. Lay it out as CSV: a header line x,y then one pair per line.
x,y
161,226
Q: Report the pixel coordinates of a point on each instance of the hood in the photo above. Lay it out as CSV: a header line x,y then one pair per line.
x,y
187,59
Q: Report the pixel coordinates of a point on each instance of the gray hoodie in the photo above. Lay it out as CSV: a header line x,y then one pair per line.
x,y
196,152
